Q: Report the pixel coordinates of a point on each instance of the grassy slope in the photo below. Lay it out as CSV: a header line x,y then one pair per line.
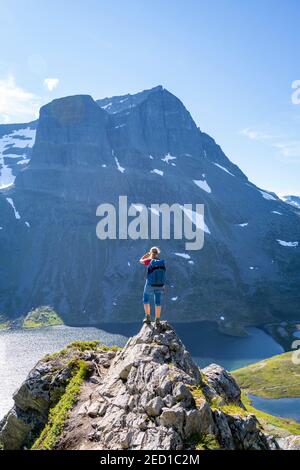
x,y
42,316
275,377
59,414
274,425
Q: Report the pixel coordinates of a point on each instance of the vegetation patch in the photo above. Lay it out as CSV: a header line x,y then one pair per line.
x,y
276,377
40,317
91,345
4,322
80,346
84,345
233,410
204,442
198,394
266,420
60,412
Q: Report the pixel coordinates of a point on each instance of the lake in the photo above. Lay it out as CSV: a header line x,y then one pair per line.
x,y
21,349
284,407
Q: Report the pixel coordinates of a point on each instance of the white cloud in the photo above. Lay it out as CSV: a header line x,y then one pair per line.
x,y
286,145
16,104
255,135
289,148
51,83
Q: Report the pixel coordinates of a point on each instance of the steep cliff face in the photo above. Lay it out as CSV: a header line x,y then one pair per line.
x,y
147,147
150,395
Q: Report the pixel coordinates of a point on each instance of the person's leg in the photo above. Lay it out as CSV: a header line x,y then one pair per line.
x,y
157,301
146,301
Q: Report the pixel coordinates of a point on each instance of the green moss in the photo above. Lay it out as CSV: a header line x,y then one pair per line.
x,y
198,394
91,345
83,345
40,317
275,377
266,420
4,325
216,402
56,355
204,442
4,322
233,410
80,346
59,413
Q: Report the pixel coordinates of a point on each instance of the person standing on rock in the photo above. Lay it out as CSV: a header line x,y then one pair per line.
x,y
155,282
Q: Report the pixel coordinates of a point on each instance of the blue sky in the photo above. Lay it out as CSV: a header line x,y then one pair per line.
x,y
231,62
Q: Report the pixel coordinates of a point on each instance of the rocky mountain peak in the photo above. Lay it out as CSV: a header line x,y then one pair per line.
x,y
120,103
149,395
71,119
159,345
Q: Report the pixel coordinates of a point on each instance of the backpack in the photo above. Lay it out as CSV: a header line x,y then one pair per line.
x,y
156,273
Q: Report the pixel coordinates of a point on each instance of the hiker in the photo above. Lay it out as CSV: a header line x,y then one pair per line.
x,y
155,282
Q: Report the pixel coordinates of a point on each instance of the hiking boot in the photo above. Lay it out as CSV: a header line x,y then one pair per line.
x,y
157,321
147,319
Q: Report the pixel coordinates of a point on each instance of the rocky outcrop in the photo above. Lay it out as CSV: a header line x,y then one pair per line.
x,y
149,395
222,385
289,443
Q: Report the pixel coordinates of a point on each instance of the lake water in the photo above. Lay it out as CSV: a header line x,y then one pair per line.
x,y
21,349
284,407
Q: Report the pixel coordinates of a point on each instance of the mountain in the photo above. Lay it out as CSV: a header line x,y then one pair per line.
x,y
149,395
147,147
293,200
16,141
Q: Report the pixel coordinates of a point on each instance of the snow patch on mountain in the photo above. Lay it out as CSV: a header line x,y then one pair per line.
x,y
197,219
183,255
291,200
284,243
107,106
11,202
158,172
167,158
20,138
203,185
223,168
24,161
120,168
267,196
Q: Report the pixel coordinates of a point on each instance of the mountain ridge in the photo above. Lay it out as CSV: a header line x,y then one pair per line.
x,y
246,273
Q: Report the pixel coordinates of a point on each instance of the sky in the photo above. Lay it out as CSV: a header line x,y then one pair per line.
x,y
232,63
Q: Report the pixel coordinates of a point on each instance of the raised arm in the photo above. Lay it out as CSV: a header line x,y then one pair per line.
x,y
145,257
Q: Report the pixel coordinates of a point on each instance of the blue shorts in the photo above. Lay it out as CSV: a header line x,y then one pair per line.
x,y
150,292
